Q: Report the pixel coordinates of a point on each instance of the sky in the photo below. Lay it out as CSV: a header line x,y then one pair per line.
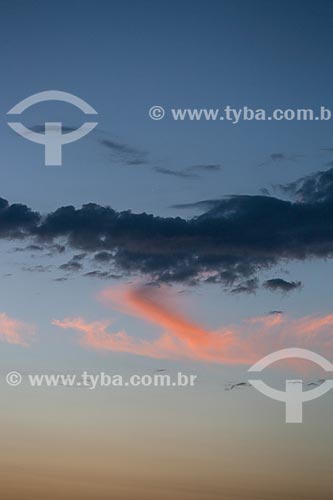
x,y
193,246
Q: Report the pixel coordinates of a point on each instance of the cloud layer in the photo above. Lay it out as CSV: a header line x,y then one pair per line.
x,y
230,243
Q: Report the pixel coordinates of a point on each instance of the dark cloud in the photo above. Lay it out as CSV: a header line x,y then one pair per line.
x,y
230,243
17,220
125,153
276,158
78,257
51,249
34,248
175,173
248,286
187,173
58,248
136,161
31,248
206,168
103,257
122,152
315,188
280,285
71,265
274,312
198,205
316,383
121,148
102,275
97,274
37,269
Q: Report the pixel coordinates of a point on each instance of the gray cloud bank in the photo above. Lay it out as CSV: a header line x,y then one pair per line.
x,y
230,243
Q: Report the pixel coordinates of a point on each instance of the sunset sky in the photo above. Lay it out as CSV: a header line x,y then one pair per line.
x,y
183,246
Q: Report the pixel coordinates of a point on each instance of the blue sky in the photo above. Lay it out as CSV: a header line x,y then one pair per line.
x,y
122,58
147,53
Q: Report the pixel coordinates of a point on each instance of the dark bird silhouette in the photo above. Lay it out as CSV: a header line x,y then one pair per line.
x,y
237,385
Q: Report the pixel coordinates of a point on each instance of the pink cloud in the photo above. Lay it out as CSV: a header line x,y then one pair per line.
x,y
14,331
181,338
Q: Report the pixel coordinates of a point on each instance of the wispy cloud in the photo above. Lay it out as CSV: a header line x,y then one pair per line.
x,y
126,153
190,172
281,157
71,265
182,338
209,167
14,331
247,286
201,205
175,173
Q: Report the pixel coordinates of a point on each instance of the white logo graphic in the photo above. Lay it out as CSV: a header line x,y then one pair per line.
x,y
293,396
53,138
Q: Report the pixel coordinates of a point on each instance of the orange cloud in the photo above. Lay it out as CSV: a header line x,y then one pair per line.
x,y
14,331
97,336
180,337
